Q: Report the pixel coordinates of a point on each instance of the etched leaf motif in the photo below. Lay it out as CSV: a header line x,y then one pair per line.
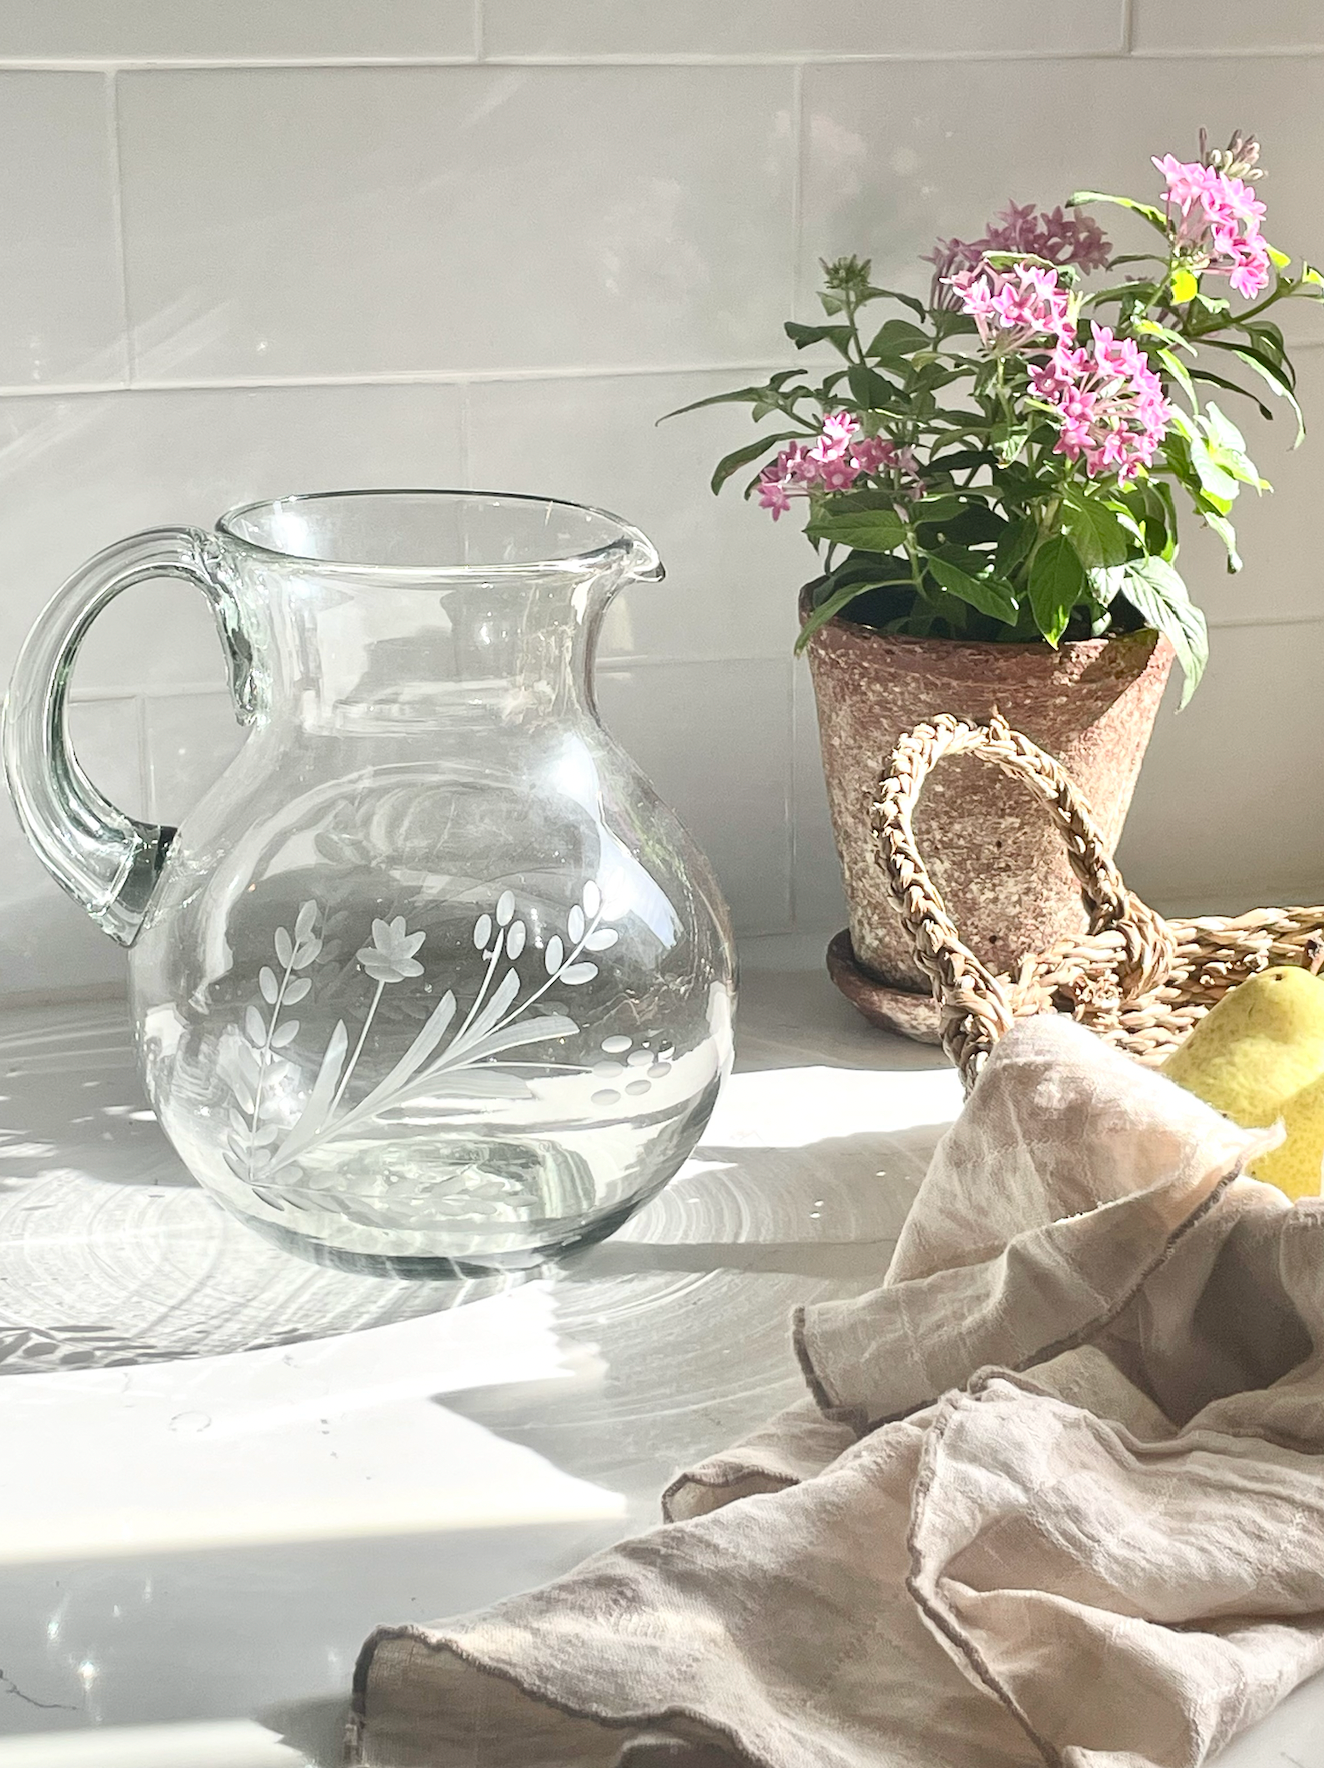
x,y
306,952
319,1100
430,1071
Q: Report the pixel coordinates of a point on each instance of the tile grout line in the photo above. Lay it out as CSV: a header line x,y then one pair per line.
x,y
146,781
626,59
423,377
478,30
797,181
793,801
117,215
463,420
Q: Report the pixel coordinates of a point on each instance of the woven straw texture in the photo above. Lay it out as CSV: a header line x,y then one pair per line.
x,y
1139,981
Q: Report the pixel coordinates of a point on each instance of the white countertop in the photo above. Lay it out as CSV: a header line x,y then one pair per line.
x,y
222,1466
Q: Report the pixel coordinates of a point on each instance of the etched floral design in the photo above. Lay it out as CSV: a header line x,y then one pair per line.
x,y
255,1120
443,1059
390,957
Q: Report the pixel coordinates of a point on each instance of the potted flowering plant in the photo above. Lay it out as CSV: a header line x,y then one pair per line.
x,y
992,480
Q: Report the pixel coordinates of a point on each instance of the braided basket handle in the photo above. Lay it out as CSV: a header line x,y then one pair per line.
x,y
976,1006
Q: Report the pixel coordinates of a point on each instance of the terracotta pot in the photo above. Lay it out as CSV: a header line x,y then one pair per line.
x,y
994,856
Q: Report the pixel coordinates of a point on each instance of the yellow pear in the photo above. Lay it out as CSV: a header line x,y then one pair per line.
x,y
1259,1056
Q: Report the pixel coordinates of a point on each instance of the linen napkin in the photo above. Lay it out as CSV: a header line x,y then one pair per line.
x,y
1056,1494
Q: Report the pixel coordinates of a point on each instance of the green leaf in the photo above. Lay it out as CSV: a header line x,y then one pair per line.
x,y
1155,217
1218,485
1095,532
1014,543
898,337
1185,286
1057,583
1279,260
1159,596
1180,373
916,307
741,457
1270,373
937,510
871,390
839,599
1227,447
1218,380
873,530
802,336
989,594
1140,293
1228,535
741,396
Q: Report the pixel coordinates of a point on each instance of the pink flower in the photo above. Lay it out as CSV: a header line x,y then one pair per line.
x,y
836,460
1015,309
773,495
1219,226
1060,238
1108,401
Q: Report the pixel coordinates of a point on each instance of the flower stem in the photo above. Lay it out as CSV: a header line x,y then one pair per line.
x,y
358,1051
264,1055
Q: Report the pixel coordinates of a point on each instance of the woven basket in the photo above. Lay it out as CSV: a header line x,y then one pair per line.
x,y
1139,981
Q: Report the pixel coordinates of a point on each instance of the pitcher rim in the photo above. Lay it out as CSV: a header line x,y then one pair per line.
x,y
628,539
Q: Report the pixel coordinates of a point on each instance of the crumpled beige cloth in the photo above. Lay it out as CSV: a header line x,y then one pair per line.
x,y
1058,1495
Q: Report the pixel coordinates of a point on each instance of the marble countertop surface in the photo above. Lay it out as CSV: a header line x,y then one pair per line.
x,y
220,1467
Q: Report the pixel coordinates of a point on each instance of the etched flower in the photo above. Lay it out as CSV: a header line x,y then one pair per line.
x,y
390,957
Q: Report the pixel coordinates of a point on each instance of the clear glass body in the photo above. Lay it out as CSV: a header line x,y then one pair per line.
x,y
430,980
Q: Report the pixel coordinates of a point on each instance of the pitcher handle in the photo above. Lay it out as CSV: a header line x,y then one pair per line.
x,y
107,860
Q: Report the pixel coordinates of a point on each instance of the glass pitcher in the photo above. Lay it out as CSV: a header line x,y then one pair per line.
x,y
429,980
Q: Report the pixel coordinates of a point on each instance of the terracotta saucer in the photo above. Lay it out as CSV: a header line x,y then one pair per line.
x,y
890,1009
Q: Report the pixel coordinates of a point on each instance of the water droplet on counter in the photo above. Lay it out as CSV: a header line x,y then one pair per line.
x,y
190,1421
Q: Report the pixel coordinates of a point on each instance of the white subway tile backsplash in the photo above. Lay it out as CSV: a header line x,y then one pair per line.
x,y
586,244
604,28
732,574
238,30
820,901
715,740
898,155
1226,812
329,221
78,473
1186,27
61,305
